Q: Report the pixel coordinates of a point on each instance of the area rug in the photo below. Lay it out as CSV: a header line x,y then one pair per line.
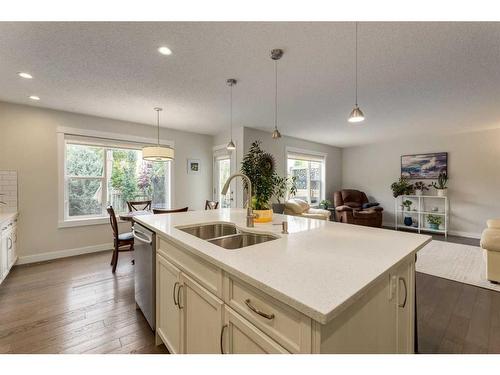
x,y
462,263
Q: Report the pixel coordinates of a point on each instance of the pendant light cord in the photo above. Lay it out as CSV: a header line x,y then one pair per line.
x,y
231,111
275,94
158,123
356,74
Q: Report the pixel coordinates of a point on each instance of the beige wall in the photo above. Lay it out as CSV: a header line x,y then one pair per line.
x,y
473,168
28,144
277,147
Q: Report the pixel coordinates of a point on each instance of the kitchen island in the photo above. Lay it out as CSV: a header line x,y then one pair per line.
x,y
324,287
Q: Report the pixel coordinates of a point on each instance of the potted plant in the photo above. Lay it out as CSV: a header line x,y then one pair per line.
x,y
440,184
407,203
420,188
282,185
259,166
402,187
325,204
434,221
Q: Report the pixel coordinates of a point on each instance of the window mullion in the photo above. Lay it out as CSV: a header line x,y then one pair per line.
x,y
104,179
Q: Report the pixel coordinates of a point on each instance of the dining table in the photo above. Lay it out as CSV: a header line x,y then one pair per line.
x,y
129,216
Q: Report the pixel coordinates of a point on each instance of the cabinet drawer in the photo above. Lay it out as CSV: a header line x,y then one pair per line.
x,y
203,272
288,327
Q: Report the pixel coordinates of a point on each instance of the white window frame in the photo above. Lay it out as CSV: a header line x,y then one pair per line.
x,y
108,138
221,150
317,154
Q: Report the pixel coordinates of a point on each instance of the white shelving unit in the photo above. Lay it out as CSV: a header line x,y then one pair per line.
x,y
424,205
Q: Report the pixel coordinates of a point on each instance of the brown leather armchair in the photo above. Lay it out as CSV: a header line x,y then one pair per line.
x,y
349,209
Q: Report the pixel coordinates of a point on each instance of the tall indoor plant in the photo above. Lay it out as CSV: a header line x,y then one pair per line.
x,y
259,166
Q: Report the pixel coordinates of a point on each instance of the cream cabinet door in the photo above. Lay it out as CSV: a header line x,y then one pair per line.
x,y
168,313
13,252
202,319
11,248
3,252
239,336
405,299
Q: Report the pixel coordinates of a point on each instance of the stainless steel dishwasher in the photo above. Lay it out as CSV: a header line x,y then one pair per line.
x,y
145,272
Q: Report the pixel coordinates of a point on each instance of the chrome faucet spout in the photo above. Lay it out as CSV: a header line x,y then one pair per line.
x,y
250,215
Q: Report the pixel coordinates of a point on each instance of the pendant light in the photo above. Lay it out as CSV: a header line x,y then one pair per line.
x,y
356,114
158,152
276,54
231,82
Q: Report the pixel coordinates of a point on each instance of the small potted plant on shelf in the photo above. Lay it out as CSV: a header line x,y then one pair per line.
x,y
407,203
420,188
440,184
434,221
408,220
402,187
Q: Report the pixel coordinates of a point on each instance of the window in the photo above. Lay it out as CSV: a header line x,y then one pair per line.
x,y
309,171
222,172
100,173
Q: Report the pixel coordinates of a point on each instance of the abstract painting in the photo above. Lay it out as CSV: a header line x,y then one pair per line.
x,y
424,166
193,166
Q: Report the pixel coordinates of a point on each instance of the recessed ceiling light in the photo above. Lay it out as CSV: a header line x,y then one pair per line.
x,y
24,75
34,97
165,51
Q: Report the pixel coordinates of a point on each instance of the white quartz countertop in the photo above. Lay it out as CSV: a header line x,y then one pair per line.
x,y
4,216
319,268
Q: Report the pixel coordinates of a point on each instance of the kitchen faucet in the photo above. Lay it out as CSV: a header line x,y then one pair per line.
x,y
250,215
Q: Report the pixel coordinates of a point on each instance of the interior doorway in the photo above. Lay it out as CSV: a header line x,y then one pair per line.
x,y
223,168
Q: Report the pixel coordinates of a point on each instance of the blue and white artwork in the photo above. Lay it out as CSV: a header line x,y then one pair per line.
x,y
424,166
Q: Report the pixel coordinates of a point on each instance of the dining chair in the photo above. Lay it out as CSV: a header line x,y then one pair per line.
x,y
120,240
162,211
211,205
139,205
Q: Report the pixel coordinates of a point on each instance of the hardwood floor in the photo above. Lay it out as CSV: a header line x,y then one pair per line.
x,y
76,305
456,318
73,305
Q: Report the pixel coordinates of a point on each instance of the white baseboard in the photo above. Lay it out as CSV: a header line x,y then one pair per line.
x,y
450,232
465,234
63,253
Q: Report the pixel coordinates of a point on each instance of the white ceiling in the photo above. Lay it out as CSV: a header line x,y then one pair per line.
x,y
414,78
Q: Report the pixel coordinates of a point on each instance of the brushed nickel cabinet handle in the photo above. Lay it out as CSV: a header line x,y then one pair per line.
x,y
222,339
257,311
179,296
173,293
402,305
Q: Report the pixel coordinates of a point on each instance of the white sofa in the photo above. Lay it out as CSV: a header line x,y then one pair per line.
x,y
490,242
298,207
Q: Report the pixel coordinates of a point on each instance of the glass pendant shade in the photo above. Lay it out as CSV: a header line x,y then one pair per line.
x,y
158,152
356,115
231,82
276,54
231,146
276,134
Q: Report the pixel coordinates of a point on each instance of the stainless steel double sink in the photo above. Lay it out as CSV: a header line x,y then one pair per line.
x,y
227,236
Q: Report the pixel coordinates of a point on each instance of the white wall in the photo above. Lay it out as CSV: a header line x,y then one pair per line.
x,y
473,169
28,144
277,147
